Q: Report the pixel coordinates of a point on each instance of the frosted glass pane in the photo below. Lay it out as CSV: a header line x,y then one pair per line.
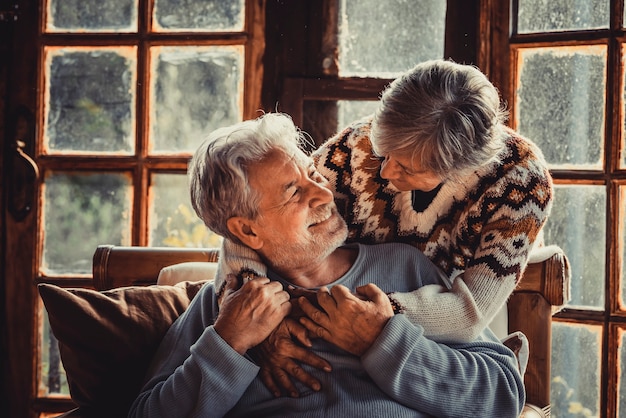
x,y
351,110
384,38
92,16
560,98
621,359
623,103
562,15
576,353
53,379
173,222
90,100
577,224
198,15
195,90
82,211
622,245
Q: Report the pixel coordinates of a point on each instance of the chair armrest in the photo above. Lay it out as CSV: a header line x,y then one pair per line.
x,y
119,266
543,289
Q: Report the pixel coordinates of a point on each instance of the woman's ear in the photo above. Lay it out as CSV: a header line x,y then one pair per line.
x,y
243,229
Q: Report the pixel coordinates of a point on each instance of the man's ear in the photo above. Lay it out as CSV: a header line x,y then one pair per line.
x,y
244,229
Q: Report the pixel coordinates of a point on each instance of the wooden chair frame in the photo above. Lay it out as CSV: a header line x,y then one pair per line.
x,y
543,287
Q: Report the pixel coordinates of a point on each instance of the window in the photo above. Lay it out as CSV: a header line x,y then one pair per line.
x,y
128,89
567,94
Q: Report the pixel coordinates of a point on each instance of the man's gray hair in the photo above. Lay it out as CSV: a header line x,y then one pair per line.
x,y
447,115
218,170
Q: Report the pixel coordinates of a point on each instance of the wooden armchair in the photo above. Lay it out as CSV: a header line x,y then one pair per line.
x,y
545,285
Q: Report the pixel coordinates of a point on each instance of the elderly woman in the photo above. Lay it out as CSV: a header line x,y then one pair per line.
x,y
437,168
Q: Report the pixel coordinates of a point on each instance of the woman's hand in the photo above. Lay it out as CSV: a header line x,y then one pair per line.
x,y
280,355
352,322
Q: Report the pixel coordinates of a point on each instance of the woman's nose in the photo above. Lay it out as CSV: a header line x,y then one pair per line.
x,y
388,170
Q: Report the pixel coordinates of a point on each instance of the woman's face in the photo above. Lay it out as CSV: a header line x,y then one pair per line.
x,y
406,173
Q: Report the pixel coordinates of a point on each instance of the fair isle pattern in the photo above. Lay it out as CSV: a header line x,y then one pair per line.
x,y
480,229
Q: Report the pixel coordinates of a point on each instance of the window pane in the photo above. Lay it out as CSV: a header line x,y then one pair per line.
x,y
576,353
195,90
351,110
198,15
621,359
173,222
80,212
53,377
90,93
623,153
407,32
561,15
560,97
577,224
91,16
622,246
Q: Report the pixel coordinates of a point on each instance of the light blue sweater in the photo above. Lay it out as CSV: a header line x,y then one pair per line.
x,y
403,374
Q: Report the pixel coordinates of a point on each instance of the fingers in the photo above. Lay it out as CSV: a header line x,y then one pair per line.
x,y
268,380
325,299
372,292
313,319
299,332
316,315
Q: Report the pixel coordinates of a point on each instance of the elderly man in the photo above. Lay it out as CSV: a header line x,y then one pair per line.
x,y
251,183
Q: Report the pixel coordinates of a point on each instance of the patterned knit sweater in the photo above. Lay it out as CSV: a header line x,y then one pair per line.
x,y
478,230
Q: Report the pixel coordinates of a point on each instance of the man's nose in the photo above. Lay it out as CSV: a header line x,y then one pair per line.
x,y
320,194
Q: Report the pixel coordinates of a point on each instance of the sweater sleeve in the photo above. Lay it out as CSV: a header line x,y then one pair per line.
x,y
195,373
235,258
478,379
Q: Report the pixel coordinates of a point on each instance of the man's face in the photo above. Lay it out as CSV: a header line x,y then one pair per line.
x,y
298,221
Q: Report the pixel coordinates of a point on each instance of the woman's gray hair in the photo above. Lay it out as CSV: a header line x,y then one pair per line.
x,y
218,170
445,114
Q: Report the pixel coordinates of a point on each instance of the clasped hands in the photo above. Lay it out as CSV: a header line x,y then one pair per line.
x,y
280,324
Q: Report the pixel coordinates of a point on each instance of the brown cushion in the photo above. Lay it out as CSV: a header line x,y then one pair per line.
x,y
107,339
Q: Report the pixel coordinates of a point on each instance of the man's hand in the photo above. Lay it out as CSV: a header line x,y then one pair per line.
x,y
350,321
276,355
248,315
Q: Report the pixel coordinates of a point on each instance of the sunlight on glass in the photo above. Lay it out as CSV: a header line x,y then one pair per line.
x,y
89,102
199,15
623,77
53,379
560,95
352,110
91,16
80,212
385,38
562,15
575,386
578,225
173,222
194,91
622,246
